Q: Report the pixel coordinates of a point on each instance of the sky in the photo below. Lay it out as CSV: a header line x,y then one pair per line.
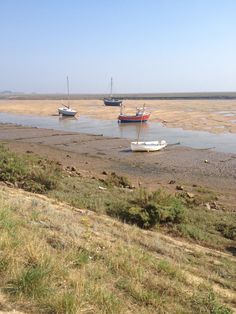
x,y
147,46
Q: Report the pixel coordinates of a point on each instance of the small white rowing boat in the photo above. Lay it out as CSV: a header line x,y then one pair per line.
x,y
148,146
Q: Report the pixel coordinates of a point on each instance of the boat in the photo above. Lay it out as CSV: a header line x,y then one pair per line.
x,y
66,110
151,146
140,116
111,101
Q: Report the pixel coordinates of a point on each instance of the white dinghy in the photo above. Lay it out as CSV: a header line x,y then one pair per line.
x,y
151,146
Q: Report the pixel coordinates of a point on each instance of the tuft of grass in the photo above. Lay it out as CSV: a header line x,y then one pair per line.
x,y
206,302
31,282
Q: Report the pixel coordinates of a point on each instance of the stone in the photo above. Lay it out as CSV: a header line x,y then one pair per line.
x,y
190,195
208,206
172,182
102,188
179,187
105,173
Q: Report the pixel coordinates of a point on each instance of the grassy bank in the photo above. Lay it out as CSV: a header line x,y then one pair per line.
x,y
197,216
56,259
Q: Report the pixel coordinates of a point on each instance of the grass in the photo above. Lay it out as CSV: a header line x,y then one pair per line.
x,y
175,214
54,260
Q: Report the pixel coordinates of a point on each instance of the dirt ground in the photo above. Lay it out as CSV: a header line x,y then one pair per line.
x,y
217,116
93,154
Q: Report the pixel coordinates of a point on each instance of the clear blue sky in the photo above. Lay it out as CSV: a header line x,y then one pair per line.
x,y
145,45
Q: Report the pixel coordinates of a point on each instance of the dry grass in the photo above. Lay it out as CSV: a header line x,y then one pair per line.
x,y
59,259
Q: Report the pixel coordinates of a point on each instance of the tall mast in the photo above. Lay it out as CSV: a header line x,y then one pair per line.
x,y
111,87
68,92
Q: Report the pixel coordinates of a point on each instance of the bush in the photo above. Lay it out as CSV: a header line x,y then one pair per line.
x,y
148,209
228,231
115,180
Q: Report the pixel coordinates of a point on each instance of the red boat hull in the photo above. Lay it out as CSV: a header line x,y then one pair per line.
x,y
133,118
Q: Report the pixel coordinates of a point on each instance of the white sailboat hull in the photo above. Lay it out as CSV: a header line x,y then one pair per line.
x,y
151,146
67,111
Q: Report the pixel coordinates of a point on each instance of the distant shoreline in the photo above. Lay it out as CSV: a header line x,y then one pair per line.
x,y
131,96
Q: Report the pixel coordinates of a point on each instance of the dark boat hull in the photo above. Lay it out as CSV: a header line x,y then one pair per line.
x,y
112,102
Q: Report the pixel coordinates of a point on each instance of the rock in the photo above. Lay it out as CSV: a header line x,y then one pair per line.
x,y
102,188
105,173
68,156
9,184
208,206
172,182
29,152
206,161
190,195
194,185
214,205
179,187
73,168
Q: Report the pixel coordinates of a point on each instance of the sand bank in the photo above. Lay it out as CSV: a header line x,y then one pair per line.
x,y
217,116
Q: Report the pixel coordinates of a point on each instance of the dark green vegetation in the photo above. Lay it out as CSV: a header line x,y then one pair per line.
x,y
113,194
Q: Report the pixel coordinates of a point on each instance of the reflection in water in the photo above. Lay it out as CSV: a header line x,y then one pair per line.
x,y
133,128
149,131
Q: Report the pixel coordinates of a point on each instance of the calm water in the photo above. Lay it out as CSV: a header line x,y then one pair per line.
x,y
149,131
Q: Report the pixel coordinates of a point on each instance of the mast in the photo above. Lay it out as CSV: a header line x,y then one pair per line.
x,y
140,125
68,92
111,87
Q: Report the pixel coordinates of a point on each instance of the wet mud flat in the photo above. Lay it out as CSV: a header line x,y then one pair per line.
x,y
95,154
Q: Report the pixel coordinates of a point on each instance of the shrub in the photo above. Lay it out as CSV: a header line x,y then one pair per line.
x,y
148,209
228,231
115,180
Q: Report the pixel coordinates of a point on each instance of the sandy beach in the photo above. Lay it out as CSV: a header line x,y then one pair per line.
x,y
216,116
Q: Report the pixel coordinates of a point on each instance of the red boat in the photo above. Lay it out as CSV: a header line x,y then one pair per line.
x,y
140,116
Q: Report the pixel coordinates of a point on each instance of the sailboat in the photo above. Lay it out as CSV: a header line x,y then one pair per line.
x,y
111,101
66,110
149,146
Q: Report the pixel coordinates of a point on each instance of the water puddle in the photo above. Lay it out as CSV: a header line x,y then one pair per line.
x,y
227,113
149,131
